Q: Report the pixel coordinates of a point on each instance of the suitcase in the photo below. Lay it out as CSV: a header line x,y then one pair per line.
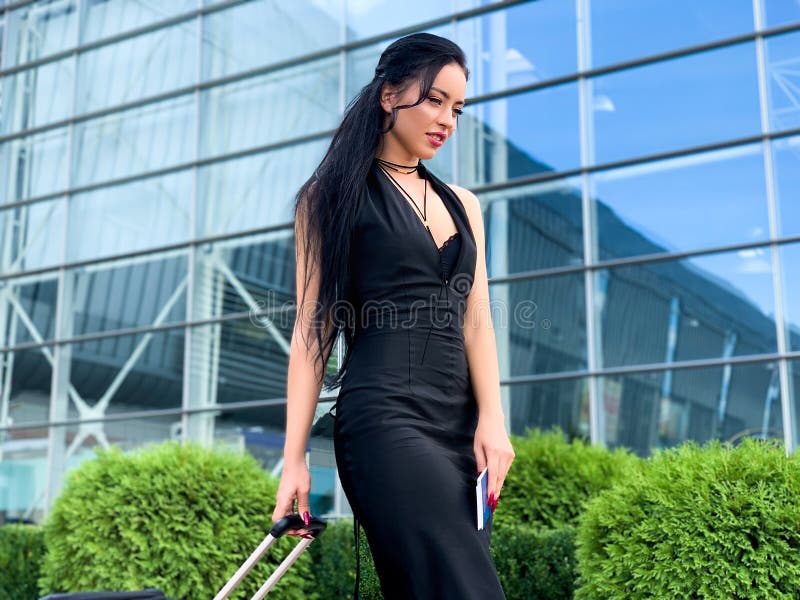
x,y
294,521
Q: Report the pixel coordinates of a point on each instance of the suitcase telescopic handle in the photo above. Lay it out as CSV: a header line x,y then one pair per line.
x,y
294,521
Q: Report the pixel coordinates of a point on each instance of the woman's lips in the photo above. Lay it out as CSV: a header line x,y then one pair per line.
x,y
436,140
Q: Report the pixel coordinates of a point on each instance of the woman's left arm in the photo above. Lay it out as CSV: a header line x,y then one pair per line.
x,y
492,445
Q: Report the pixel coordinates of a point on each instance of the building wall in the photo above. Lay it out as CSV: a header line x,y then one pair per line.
x,y
638,165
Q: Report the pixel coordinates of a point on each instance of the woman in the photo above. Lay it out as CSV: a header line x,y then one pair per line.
x,y
393,259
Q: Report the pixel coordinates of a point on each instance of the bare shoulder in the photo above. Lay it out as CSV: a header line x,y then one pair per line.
x,y
470,202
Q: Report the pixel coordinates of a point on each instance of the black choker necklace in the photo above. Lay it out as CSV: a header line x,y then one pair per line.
x,y
404,169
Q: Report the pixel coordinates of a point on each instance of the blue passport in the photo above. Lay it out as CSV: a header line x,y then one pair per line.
x,y
484,512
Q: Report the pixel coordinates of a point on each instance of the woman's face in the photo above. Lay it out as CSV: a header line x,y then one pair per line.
x,y
422,129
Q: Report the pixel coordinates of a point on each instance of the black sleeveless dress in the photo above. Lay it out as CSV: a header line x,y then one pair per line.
x,y
406,413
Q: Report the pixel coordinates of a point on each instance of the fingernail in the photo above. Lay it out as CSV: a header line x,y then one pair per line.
x,y
306,518
491,498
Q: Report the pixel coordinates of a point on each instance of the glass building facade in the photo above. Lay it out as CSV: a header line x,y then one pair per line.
x,y
638,164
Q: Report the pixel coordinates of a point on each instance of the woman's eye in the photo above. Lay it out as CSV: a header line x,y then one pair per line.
x,y
458,111
435,100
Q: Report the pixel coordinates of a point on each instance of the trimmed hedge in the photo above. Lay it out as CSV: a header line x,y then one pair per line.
x,y
535,564
21,554
552,479
180,518
707,523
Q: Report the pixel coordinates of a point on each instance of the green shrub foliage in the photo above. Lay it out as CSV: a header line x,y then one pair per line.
x,y
551,479
334,561
703,523
535,564
180,518
21,554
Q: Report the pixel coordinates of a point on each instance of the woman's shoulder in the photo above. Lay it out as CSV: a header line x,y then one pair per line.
x,y
468,200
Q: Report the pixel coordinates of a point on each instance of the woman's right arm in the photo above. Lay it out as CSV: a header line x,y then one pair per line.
x,y
302,389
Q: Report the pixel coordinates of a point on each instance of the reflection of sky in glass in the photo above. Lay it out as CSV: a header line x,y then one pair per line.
x,y
678,103
779,12
783,75
787,183
687,203
746,273
628,29
537,41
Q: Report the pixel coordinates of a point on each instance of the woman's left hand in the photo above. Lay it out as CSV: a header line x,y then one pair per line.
x,y
493,448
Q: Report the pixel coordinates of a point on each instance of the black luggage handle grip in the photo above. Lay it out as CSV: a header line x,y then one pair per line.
x,y
294,521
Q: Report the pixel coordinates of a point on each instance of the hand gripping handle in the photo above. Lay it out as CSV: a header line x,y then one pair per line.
x,y
316,527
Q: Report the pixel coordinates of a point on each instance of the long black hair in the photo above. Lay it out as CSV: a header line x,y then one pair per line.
x,y
325,206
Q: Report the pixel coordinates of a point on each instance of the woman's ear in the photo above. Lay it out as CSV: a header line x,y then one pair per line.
x,y
388,94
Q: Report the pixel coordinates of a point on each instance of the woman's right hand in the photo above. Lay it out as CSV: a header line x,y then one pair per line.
x,y
295,483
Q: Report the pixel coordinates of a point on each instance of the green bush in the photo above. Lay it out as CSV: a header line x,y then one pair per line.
x,y
532,564
21,554
334,561
178,518
551,479
704,523
535,564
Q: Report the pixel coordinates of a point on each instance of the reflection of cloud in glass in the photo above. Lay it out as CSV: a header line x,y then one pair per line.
x,y
753,262
603,103
517,63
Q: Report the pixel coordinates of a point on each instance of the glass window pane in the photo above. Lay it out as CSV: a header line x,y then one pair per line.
x,y
23,474
659,409
138,292
533,227
282,105
362,61
104,19
520,135
782,59
562,403
30,306
255,191
33,166
516,46
698,99
28,374
240,361
629,29
780,12
786,169
794,394
129,373
243,275
790,259
37,96
143,66
255,34
39,29
135,141
682,204
126,218
712,306
367,19
540,324
33,236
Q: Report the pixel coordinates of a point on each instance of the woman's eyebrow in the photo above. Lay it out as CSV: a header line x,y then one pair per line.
x,y
445,94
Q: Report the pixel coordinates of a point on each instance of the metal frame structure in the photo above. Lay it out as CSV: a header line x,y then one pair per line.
x,y
196,415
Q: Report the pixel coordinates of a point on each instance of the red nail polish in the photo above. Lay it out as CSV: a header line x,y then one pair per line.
x,y
491,498
306,518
